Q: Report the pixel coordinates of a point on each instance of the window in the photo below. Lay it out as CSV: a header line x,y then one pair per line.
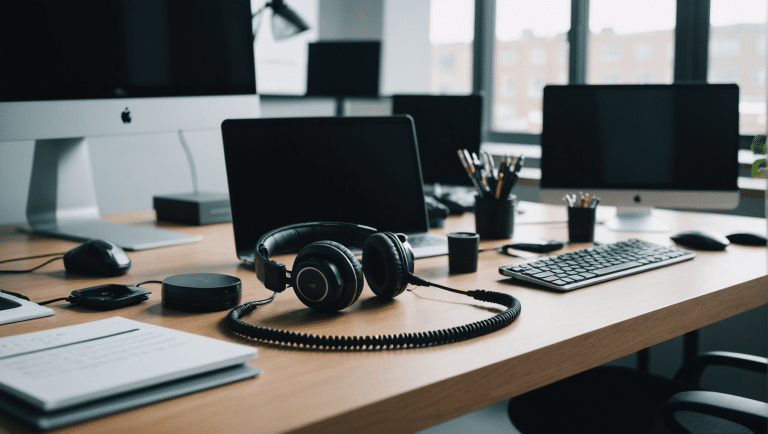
x,y
538,56
611,50
737,55
632,44
451,32
536,85
507,86
643,51
539,34
644,76
508,57
724,47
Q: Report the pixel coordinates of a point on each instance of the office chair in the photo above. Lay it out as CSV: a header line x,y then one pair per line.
x,y
611,399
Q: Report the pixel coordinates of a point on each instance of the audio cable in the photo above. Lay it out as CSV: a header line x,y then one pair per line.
x,y
381,342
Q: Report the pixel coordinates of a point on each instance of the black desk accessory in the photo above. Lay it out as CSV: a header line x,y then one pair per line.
x,y
463,249
109,296
748,238
97,258
541,246
196,209
92,258
326,276
201,292
701,240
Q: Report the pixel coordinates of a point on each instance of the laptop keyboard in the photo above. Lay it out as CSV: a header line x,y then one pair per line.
x,y
592,265
428,244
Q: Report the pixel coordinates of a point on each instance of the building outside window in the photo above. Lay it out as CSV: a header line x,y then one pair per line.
x,y
633,44
451,32
737,54
527,26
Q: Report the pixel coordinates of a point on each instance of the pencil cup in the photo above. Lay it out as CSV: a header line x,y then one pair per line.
x,y
495,218
581,224
463,248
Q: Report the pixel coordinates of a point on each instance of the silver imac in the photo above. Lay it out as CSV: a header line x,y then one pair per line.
x,y
75,69
640,147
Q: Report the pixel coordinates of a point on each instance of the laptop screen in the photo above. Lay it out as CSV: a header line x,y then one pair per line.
x,y
362,170
444,124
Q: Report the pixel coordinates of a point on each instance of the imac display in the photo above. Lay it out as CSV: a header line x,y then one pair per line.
x,y
343,68
74,69
642,146
444,125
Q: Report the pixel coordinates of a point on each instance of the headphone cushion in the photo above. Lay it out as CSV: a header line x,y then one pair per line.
x,y
386,264
348,265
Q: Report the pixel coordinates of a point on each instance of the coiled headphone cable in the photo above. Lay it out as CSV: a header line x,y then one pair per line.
x,y
381,342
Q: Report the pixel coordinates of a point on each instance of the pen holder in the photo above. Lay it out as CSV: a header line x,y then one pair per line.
x,y
495,218
581,224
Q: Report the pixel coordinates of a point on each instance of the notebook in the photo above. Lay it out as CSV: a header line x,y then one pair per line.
x,y
63,375
362,170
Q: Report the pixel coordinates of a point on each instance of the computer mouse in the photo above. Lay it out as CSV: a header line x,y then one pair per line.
x,y
540,246
748,238
701,240
97,258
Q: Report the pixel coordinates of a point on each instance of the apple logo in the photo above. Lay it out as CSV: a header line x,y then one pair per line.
x,y
126,116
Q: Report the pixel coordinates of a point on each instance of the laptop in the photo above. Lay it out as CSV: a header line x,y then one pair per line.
x,y
445,124
362,170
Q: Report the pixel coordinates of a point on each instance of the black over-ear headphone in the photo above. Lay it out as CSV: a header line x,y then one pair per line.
x,y
327,276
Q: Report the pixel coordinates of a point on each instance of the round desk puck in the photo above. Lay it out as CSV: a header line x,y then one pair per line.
x,y
201,292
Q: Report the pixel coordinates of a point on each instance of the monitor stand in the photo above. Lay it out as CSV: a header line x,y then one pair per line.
x,y
62,200
635,219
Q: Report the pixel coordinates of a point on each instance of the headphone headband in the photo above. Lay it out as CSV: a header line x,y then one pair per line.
x,y
289,239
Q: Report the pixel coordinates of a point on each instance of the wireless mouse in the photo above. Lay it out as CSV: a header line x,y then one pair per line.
x,y
748,238
542,246
701,240
97,258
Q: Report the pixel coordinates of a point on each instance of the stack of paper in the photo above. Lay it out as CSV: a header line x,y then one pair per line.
x,y
65,375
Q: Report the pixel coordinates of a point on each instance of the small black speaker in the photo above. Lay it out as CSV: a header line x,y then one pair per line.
x,y
201,292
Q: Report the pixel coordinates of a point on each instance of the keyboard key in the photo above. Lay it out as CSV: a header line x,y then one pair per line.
x,y
616,268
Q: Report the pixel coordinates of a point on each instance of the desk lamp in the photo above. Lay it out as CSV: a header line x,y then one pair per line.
x,y
285,22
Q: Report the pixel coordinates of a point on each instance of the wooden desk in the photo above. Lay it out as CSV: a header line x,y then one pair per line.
x,y
556,336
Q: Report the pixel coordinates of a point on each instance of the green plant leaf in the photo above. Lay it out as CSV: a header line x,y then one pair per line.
x,y
759,168
758,145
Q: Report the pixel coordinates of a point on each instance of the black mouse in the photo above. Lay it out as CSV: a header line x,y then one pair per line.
x,y
541,246
701,240
97,258
748,238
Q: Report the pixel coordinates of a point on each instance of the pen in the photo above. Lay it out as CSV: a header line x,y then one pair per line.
x,y
470,168
501,180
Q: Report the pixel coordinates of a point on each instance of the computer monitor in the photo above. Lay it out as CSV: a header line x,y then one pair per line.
x,y
84,68
444,124
641,146
342,69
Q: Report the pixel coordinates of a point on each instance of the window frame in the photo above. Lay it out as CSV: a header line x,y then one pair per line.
x,y
691,50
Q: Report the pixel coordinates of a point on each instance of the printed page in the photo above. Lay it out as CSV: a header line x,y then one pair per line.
x,y
58,368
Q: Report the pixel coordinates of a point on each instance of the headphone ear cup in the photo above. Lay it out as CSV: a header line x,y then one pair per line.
x,y
325,256
387,264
